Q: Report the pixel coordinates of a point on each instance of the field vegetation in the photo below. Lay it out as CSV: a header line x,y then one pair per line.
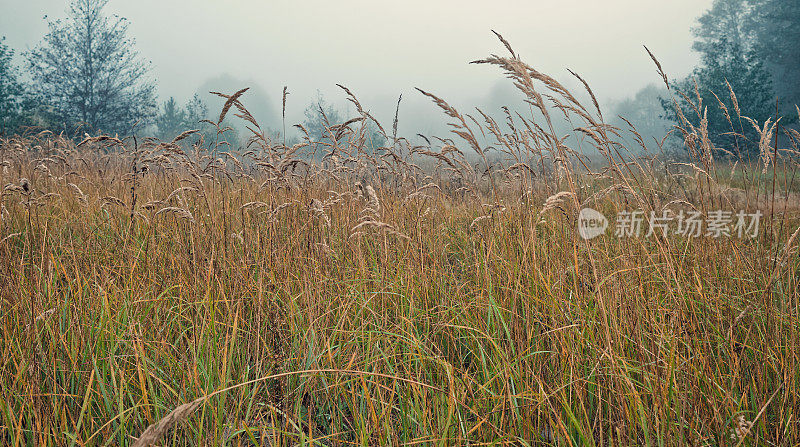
x,y
424,291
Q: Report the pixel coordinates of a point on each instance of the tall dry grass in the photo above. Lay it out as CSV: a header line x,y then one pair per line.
x,y
436,293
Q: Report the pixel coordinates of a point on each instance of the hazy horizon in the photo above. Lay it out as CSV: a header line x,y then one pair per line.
x,y
382,50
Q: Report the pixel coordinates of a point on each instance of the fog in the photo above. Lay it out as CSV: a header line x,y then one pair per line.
x,y
383,49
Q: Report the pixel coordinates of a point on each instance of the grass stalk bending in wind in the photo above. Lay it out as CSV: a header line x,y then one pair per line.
x,y
433,291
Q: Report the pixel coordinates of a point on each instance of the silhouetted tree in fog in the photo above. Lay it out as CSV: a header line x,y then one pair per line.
x,y
775,25
729,57
88,72
171,121
320,116
12,93
645,112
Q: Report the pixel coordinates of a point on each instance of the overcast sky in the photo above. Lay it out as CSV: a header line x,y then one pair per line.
x,y
381,49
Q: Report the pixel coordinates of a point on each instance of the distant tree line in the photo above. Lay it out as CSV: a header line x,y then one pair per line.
x,y
11,91
748,47
86,76
740,54
173,119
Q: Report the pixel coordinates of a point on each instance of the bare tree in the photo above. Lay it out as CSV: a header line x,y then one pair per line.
x,y
88,72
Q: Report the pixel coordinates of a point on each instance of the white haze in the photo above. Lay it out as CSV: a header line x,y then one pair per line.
x,y
381,49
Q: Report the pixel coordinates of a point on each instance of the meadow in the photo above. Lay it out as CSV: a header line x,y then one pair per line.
x,y
424,292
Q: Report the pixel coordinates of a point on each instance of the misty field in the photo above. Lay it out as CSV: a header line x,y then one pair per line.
x,y
424,292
